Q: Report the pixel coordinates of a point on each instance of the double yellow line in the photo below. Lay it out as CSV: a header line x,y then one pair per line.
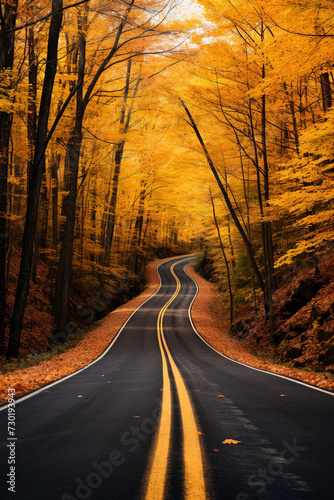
x,y
194,484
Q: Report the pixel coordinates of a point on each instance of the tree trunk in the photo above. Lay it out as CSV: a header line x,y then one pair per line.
x,y
326,91
35,182
42,228
8,20
293,116
225,259
138,229
32,101
111,219
266,226
31,131
54,194
62,293
234,265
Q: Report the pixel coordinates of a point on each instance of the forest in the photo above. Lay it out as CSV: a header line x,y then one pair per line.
x,y
140,129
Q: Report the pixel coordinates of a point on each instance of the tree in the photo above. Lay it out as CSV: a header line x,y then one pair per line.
x,y
225,258
249,248
124,124
37,170
8,13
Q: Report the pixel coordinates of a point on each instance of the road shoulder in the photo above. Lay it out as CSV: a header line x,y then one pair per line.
x,y
212,323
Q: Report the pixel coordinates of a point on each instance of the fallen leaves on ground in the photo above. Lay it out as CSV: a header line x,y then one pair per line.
x,y
231,441
29,379
212,323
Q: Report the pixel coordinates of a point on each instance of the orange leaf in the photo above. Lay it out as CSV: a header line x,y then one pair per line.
x,y
231,441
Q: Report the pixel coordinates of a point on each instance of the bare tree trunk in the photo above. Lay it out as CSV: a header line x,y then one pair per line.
x,y
92,234
246,196
111,219
42,227
266,226
62,293
124,127
294,118
137,239
32,101
54,194
230,242
35,183
8,13
326,91
31,131
105,214
225,259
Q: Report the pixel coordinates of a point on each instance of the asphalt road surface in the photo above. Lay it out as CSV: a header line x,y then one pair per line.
x,y
148,420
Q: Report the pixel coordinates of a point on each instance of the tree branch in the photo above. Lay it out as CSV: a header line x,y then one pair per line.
x,y
31,23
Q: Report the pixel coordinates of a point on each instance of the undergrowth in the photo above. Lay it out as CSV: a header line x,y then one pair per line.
x,y
35,358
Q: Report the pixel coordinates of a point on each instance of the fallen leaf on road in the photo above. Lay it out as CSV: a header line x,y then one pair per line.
x,y
231,441
220,396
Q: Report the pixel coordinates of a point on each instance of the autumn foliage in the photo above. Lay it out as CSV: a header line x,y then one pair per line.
x,y
143,128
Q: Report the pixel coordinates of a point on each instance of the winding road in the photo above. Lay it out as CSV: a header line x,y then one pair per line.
x,y
162,415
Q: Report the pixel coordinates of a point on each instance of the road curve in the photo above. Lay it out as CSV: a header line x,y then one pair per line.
x,y
149,419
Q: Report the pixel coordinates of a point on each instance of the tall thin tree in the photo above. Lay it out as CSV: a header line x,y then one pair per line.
x,y
35,183
8,12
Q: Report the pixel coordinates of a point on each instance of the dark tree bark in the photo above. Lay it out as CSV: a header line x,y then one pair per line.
x,y
326,91
111,217
42,227
63,283
137,238
32,104
124,127
8,11
266,226
54,194
35,182
293,117
225,259
230,242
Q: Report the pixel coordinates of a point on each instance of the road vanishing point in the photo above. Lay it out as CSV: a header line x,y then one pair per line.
x,y
162,415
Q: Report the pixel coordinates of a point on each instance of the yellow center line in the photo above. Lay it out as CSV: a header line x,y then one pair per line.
x,y
194,482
